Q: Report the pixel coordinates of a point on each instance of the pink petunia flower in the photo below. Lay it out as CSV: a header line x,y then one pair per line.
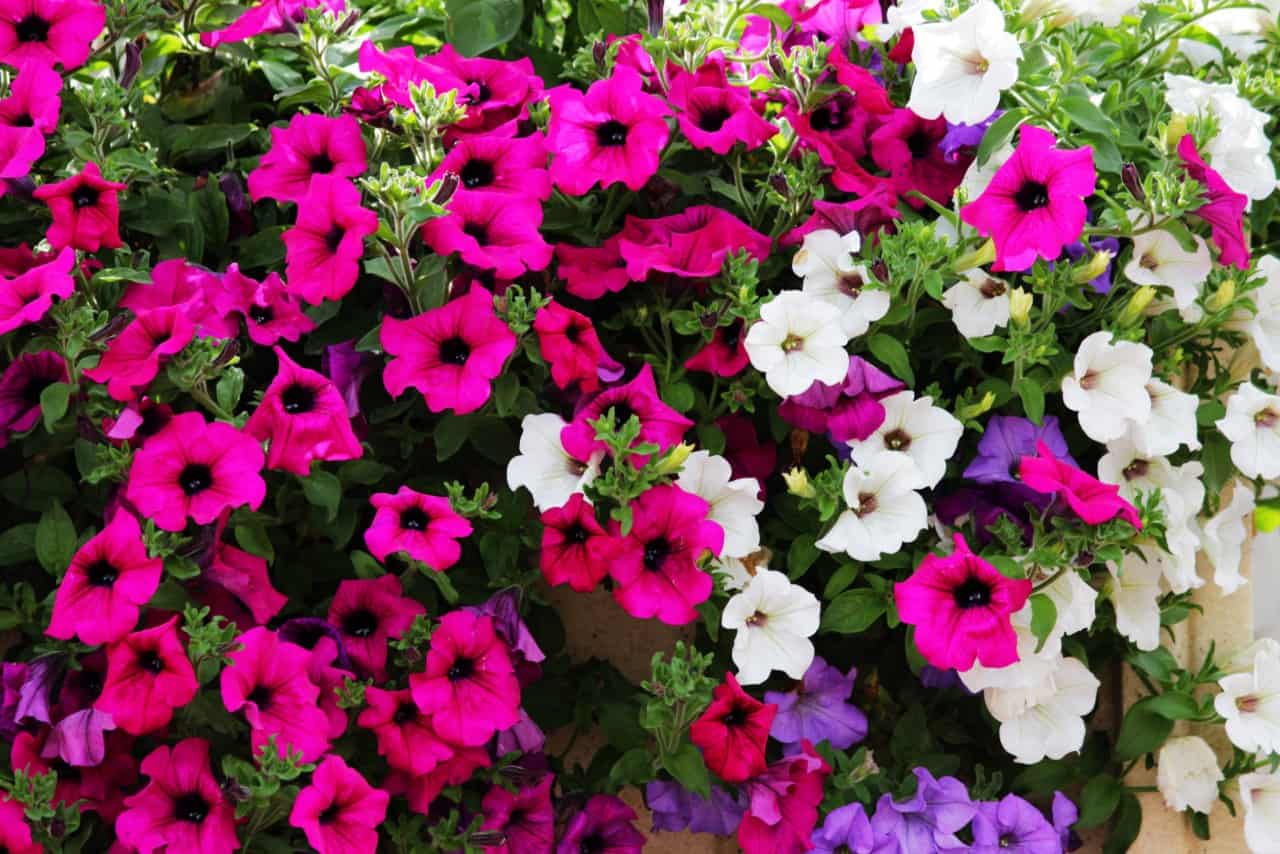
x,y
267,16
655,566
98,785
725,355
848,410
133,357
110,578
425,527
305,419
405,735
866,215
590,272
311,145
733,731
451,354
422,791
614,133
1092,500
270,312
24,380
1034,204
195,469
34,99
513,166
836,129
20,148
715,115
85,209
575,548
569,344
659,423
369,612
148,676
175,283
494,91
491,231
469,686
268,679
49,32
138,421
960,605
692,243
783,804
606,825
1223,209
28,298
242,575
906,146
182,808
525,818
339,812
325,245
15,833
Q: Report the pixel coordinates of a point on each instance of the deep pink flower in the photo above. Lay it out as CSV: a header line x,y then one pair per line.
x,y
655,566
1223,209
733,731
659,423
49,32
907,147
868,92
85,209
1035,203
451,354
111,577
15,833
848,410
339,812
133,357
422,790
865,215
783,804
268,678
836,128
494,91
311,145
242,575
20,147
614,133
195,469
148,676
715,115
16,260
575,547
469,686
1092,500
325,245
725,355
692,244
182,808
747,455
34,99
569,345
425,527
178,284
270,312
605,825
590,272
28,298
369,612
405,735
267,16
304,417
21,386
525,818
960,605
491,231
138,421
99,785
514,166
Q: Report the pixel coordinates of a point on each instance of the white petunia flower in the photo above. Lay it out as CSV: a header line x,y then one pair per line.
x,y
1252,423
915,428
1108,387
1241,150
1264,326
1160,261
774,620
1172,422
1260,794
1241,660
734,503
826,264
797,342
906,15
979,304
1134,590
978,178
1250,702
543,467
1047,721
1106,12
1187,774
963,65
1225,536
885,511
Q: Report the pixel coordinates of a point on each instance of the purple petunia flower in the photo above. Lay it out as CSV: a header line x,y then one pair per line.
x,y
1065,814
33,697
962,140
846,828
1009,438
927,820
817,709
675,808
79,739
13,675
1015,826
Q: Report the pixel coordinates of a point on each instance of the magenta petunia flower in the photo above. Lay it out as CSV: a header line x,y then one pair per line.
x,y
494,91
513,166
1223,209
268,679
692,244
111,577
613,133
267,16
182,807
655,566
325,245
525,819
715,115
569,345
907,147
422,791
659,423
13,675
733,731
133,357
469,686
195,469
311,145
304,418
20,148
148,676
85,209
837,129
425,527
23,381
270,312
491,231
1092,500
960,605
451,354
34,99
590,272
605,825
575,548
178,284
339,812
15,833
1035,203
242,575
405,735
868,92
866,215
783,804
848,410
725,355
369,612
28,298
49,32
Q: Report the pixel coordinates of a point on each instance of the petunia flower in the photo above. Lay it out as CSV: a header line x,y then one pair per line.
x,y
725,355
659,423
963,65
421,791
1107,387
324,247
1223,209
1172,421
733,504
713,114
926,820
544,467
915,428
514,167
339,812
846,828
1252,425
817,709
675,808
836,128
732,732
525,819
28,297
1263,326
450,354
575,548
866,215
746,453
312,144
1006,439
494,91
1250,703
693,243
268,680
846,410
148,677
773,621
1225,537
979,304
182,807
1159,260
267,16
589,272
270,312
369,612
20,148
13,675
133,357
605,825
569,345
15,833
425,527
21,385
1135,590
1187,774
348,368
909,148
49,32
825,262
1045,721
1092,500
783,805
404,734
797,342
491,231
884,510
34,99
1011,824
85,209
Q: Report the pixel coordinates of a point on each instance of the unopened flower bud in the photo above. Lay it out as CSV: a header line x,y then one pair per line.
x,y
676,459
980,257
1020,303
599,51
1133,181
348,23
797,480
973,410
1096,267
448,186
881,271
1222,297
1137,305
780,186
1176,130
656,9
776,66
132,62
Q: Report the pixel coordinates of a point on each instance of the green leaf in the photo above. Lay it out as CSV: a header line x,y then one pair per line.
x,y
53,403
1174,705
1125,828
505,389
679,396
840,580
18,544
363,472
1159,663
32,486
690,771
366,566
253,538
1098,800
230,387
889,350
1044,615
475,26
324,490
1032,398
1142,731
853,611
450,434
801,555
1082,111
55,541
773,13
633,768
999,132
1215,456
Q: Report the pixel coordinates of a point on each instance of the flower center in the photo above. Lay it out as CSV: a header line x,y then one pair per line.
x,y
737,717
1089,380
333,239
195,477
1148,261
993,288
1136,469
732,334
101,574
1007,840
897,440
828,117
32,390
713,119
405,713
477,232
321,164
360,624
867,504
23,121
477,173
973,593
656,553
577,535
32,28
461,669
1267,418
1247,704
592,844
151,662
415,519
920,144
454,351
1032,196
977,63
260,696
261,314
621,414
190,807
483,93
611,134
84,197
330,814
298,399
792,343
